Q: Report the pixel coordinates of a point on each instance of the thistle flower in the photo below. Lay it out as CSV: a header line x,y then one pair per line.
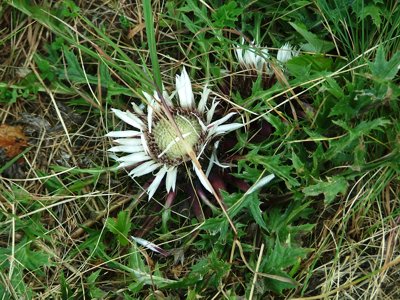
x,y
156,143
249,58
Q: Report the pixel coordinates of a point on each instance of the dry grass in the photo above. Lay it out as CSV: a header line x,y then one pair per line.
x,y
358,246
68,185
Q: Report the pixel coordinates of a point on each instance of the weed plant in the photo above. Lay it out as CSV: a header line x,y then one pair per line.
x,y
325,124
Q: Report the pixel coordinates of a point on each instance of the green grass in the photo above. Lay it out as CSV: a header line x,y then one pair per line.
x,y
326,125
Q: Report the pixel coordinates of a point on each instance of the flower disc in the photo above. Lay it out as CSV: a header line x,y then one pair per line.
x,y
169,141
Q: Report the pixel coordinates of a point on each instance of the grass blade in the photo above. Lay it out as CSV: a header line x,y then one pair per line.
x,y
151,40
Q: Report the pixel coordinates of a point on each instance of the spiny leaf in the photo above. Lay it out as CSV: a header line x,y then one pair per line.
x,y
330,188
95,292
120,227
226,15
354,134
255,211
75,73
32,260
280,257
315,44
374,12
273,165
382,69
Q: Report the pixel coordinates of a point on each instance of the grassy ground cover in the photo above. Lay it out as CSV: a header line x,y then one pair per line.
x,y
304,201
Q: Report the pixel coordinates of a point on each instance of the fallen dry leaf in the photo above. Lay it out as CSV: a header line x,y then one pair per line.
x,y
12,141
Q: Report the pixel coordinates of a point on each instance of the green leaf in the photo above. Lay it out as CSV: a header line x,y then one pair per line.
x,y
45,68
237,203
216,225
74,72
298,164
190,24
33,260
226,15
315,44
69,9
94,291
120,227
193,7
284,256
136,260
343,108
150,279
105,76
330,188
374,12
66,291
309,66
383,70
334,88
254,207
273,165
280,257
278,221
207,272
348,142
276,122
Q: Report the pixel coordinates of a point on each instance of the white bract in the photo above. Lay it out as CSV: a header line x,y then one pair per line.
x,y
286,53
159,143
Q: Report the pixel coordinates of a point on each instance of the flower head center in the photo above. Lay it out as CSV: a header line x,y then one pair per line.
x,y
173,145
